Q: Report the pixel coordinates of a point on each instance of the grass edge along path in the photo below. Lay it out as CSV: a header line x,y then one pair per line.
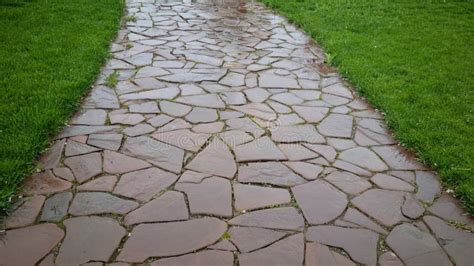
x,y
413,61
51,52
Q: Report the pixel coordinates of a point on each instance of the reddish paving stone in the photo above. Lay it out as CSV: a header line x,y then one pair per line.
x,y
389,259
103,183
336,125
204,100
274,173
45,183
223,245
52,157
74,148
415,247
170,239
262,149
351,168
246,125
348,182
184,139
89,239
356,217
92,117
457,243
394,157
317,254
37,240
87,203
383,205
85,167
319,201
311,114
138,130
248,197
412,208
25,212
392,183
364,158
126,119
297,152
158,153
212,196
248,239
106,141
259,110
447,208
306,170
429,186
235,137
144,184
48,261
203,258
168,207
102,97
289,251
298,133
117,163
285,218
215,159
328,152
145,108
55,208
84,130
361,244
64,173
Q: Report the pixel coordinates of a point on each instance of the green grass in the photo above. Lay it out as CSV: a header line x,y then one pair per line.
x,y
414,60
50,53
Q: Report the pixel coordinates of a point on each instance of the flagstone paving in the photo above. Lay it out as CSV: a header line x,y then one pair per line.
x,y
228,142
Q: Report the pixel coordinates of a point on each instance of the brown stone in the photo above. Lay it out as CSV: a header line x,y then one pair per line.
x,y
106,141
87,203
183,138
89,239
248,239
306,170
170,239
317,254
203,258
140,129
74,148
103,183
347,182
51,158
383,205
357,218
274,173
45,183
144,184
223,245
248,197
85,166
262,149
38,240
64,173
117,163
319,201
25,212
285,218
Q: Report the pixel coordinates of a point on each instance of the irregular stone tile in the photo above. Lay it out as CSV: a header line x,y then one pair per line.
x,y
85,166
209,128
275,81
334,100
84,130
233,79
174,109
248,239
106,141
76,148
246,125
25,212
412,208
364,158
296,152
287,98
164,93
88,203
350,168
311,114
38,240
274,173
138,130
286,218
103,183
170,239
348,182
356,217
144,108
144,184
341,144
248,197
429,186
319,201
215,159
257,95
202,258
212,196
338,89
317,254
415,247
184,139
44,183
89,239
288,120
168,207
336,125
383,205
64,173
447,208
93,117
150,71
392,183
199,58
262,149
259,110
190,77
51,158
453,240
55,208
361,244
175,125
202,115
395,158
389,259
48,261
235,137
117,163
289,251
306,170
101,97
158,153
159,120
223,245
203,100
328,152
299,133
126,119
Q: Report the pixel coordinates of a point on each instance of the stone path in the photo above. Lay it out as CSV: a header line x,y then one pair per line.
x,y
227,142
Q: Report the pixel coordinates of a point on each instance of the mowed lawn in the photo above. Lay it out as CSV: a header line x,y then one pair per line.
x,y
50,53
414,60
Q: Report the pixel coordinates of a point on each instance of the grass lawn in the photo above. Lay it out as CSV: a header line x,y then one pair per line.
x,y
414,60
50,53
